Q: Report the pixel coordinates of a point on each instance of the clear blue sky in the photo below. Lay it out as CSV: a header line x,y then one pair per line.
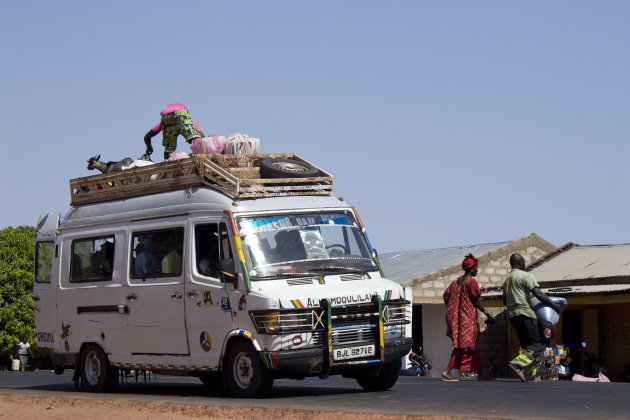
x,y
446,123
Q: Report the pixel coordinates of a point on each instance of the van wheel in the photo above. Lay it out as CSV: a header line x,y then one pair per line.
x,y
386,378
286,168
97,375
213,380
246,375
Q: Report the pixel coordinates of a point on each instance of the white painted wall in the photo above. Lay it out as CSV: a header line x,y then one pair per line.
x,y
436,344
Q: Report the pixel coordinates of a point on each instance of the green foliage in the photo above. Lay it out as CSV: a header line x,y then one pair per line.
x,y
16,285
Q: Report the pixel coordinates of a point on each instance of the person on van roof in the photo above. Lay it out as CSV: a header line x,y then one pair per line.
x,y
175,120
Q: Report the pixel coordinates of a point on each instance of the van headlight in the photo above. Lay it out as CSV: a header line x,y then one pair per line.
x,y
279,321
395,312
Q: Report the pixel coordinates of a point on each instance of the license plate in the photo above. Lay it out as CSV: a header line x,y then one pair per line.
x,y
353,352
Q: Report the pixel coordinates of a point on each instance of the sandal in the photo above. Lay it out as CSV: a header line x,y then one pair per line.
x,y
448,378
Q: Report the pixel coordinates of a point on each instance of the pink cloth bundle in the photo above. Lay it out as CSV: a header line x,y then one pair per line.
x,y
211,145
241,144
600,378
178,155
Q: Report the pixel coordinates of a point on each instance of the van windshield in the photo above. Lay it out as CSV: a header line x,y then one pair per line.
x,y
303,244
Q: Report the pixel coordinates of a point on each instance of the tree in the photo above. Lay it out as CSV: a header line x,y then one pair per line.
x,y
16,285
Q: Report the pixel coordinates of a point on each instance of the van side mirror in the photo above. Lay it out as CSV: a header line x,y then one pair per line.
x,y
227,266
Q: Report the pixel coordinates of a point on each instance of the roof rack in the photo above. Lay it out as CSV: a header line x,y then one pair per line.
x,y
237,176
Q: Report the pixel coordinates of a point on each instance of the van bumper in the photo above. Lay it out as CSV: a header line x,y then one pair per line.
x,y
311,361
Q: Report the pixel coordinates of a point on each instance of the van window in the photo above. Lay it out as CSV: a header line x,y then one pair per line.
x,y
157,253
276,245
43,261
92,259
212,244
226,249
207,249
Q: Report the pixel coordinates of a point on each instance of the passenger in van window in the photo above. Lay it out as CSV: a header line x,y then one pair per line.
x,y
208,264
172,262
175,120
107,266
144,263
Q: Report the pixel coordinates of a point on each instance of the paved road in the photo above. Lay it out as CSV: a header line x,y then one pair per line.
x,y
506,399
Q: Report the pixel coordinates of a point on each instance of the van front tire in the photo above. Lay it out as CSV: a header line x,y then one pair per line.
x,y
245,373
386,378
97,374
213,380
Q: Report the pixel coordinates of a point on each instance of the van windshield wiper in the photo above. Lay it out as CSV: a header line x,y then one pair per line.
x,y
342,270
282,275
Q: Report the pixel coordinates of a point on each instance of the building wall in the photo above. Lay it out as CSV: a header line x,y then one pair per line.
x,y
493,268
615,338
436,344
494,342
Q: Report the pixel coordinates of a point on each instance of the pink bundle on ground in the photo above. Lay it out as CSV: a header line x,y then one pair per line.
x,y
211,145
241,144
600,378
178,155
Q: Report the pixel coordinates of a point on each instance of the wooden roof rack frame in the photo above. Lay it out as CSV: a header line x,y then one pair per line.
x,y
237,176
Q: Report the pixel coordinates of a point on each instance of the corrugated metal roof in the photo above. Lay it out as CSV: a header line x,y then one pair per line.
x,y
403,266
571,290
586,262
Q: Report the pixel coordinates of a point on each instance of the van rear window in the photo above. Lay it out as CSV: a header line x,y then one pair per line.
x,y
92,259
43,261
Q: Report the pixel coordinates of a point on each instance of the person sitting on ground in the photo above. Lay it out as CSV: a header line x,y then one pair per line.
x,y
24,350
175,120
463,299
518,288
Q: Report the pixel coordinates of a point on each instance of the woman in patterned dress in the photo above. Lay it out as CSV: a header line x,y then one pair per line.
x,y
463,299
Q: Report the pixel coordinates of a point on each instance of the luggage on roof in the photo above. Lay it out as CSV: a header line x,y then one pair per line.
x,y
238,176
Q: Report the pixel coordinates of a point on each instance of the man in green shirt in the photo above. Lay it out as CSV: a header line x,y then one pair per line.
x,y
518,289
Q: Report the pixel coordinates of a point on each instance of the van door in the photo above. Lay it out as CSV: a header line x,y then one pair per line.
x,y
46,280
210,294
157,263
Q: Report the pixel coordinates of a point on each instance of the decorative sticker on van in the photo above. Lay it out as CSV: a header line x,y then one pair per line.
x,y
284,222
45,337
207,299
246,334
343,300
205,341
65,333
225,304
297,304
337,300
271,360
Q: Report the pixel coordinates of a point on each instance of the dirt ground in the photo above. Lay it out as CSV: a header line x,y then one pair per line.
x,y
17,407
